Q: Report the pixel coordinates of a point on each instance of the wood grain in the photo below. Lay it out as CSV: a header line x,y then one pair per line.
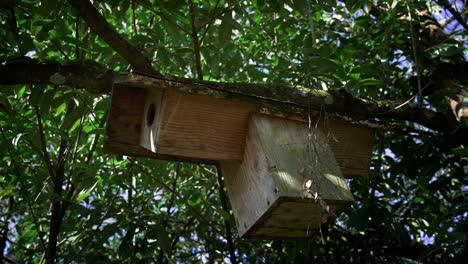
x,y
266,189
125,120
250,187
203,127
293,218
352,147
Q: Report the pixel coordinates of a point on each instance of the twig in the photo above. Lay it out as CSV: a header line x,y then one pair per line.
x,y
164,17
170,205
77,37
134,28
165,186
406,102
14,26
267,36
36,223
60,49
6,222
210,22
311,25
96,138
196,44
46,156
97,227
415,54
227,223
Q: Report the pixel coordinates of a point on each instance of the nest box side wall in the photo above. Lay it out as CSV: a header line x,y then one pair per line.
x,y
351,144
202,127
126,122
297,158
250,187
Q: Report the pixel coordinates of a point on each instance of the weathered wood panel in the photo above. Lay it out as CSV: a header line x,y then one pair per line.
x,y
176,126
293,218
203,127
267,190
352,147
125,123
249,184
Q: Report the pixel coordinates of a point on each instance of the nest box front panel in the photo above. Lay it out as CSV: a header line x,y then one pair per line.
x,y
287,183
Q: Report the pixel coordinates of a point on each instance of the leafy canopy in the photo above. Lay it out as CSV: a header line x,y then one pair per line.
x,y
64,199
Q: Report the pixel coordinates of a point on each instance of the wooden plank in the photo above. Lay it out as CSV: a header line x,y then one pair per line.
x,y
266,189
352,147
250,187
125,120
352,144
296,155
203,127
293,218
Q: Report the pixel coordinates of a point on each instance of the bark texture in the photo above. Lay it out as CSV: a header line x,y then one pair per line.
x,y
269,98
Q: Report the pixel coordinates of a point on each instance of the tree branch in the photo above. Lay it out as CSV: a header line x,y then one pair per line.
x,y
102,28
455,14
47,160
88,76
210,22
227,223
274,98
14,26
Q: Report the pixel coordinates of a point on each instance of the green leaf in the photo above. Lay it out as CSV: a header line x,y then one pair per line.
x,y
225,30
71,120
461,151
36,93
302,6
359,219
86,192
21,91
126,246
164,242
81,196
60,109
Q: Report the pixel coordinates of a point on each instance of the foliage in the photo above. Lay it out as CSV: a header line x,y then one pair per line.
x,y
108,208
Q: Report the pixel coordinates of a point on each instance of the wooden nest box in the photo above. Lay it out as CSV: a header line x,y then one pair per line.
x,y
283,179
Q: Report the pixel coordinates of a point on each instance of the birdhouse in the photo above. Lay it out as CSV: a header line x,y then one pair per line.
x,y
284,179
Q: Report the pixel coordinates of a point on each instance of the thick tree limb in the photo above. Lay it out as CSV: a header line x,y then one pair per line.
x,y
274,98
446,4
101,27
86,75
